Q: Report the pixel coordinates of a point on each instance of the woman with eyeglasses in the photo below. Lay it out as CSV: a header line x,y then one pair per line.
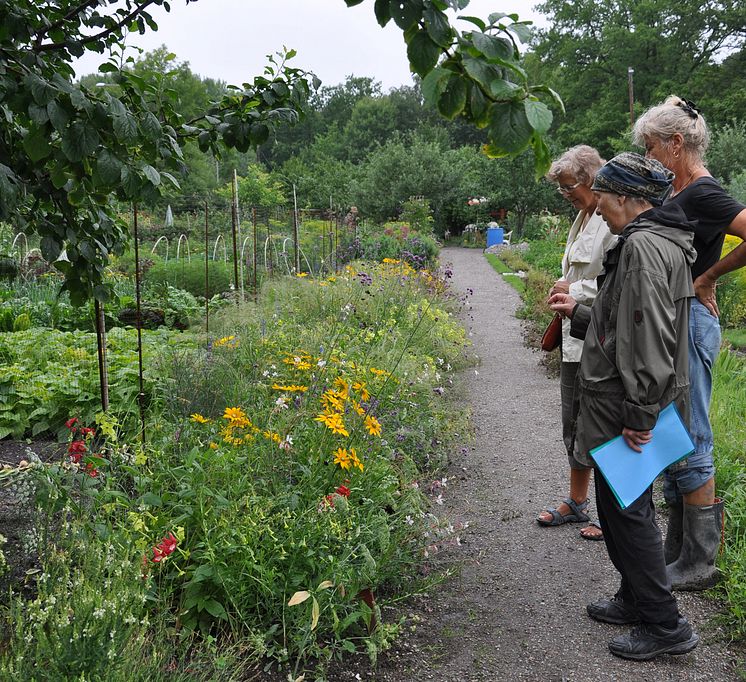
x,y
587,242
675,134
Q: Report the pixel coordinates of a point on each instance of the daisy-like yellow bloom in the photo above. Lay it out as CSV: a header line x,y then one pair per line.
x,y
199,419
301,274
235,415
342,457
290,388
379,372
271,435
228,341
391,261
358,408
334,422
332,401
354,460
302,361
331,278
213,446
342,387
373,425
359,386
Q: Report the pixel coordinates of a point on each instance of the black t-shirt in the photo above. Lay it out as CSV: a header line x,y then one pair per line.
x,y
714,210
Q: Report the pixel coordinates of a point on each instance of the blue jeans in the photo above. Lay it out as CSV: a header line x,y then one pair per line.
x,y
704,345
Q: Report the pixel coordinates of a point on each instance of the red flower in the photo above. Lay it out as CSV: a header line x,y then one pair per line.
x,y
343,490
91,470
165,547
329,500
87,431
70,423
76,450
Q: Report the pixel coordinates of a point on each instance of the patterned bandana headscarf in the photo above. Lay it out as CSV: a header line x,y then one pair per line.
x,y
633,175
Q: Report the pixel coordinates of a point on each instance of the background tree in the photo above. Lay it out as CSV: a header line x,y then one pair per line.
x,y
591,43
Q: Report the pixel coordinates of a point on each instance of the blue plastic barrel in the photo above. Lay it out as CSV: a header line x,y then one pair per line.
x,y
494,235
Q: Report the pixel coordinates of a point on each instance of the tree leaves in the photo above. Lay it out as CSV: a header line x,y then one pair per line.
x,y
423,53
79,140
510,129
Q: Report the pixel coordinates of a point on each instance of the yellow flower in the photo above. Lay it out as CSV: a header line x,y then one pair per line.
x,y
290,388
342,457
334,422
342,387
271,435
354,459
199,419
228,341
391,261
332,401
360,386
379,372
301,361
301,274
331,278
213,446
235,414
373,425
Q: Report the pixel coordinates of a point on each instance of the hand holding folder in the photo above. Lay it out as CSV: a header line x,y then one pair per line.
x,y
630,473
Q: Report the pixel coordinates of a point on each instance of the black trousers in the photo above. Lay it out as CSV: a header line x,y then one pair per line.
x,y
634,543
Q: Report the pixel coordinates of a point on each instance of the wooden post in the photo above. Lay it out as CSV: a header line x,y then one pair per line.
x,y
103,373
138,318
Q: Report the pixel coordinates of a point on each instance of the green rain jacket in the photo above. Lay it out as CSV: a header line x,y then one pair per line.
x,y
635,357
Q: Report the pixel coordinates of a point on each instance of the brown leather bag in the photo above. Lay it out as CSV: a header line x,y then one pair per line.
x,y
552,334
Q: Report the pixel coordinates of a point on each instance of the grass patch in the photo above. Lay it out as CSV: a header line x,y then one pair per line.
x,y
508,275
497,264
735,337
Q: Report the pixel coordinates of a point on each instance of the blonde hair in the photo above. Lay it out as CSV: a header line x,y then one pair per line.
x,y
581,161
672,116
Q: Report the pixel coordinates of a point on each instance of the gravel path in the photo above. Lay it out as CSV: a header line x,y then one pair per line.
x,y
516,609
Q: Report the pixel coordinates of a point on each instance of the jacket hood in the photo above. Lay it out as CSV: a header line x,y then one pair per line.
x,y
668,221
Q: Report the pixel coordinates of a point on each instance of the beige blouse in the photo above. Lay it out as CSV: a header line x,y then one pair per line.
x,y
582,263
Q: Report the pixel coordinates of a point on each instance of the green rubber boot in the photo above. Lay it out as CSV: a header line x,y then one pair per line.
x,y
695,568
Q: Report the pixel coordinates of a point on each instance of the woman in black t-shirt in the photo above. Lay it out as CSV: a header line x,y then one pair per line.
x,y
675,133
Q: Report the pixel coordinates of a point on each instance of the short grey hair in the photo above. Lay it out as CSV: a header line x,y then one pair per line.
x,y
581,161
672,116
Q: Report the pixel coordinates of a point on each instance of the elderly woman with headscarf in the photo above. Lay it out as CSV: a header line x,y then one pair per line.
x,y
675,133
634,364
587,242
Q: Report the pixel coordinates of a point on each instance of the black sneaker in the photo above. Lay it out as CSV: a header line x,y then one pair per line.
x,y
613,611
647,641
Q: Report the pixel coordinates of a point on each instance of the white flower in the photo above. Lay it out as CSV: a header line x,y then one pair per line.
x,y
281,402
408,520
439,499
99,613
321,363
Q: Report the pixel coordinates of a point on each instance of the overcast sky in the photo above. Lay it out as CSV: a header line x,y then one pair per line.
x,y
228,39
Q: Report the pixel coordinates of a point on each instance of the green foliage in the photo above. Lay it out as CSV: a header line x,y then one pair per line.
x,y
726,413
190,276
48,375
69,150
673,48
417,214
726,155
285,579
255,189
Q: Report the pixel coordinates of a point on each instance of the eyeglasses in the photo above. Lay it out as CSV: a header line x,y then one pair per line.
x,y
566,189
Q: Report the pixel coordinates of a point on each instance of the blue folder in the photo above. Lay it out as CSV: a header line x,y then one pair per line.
x,y
630,473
